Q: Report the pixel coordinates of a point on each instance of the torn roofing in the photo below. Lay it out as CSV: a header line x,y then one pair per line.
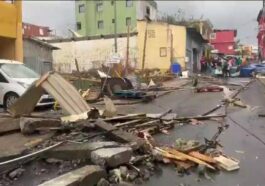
x,y
42,43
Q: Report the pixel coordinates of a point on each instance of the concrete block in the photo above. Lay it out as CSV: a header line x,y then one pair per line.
x,y
111,157
78,151
85,176
30,125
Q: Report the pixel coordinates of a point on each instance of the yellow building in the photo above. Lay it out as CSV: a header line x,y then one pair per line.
x,y
11,46
159,44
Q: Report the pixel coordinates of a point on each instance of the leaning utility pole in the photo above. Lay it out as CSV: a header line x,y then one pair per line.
x,y
115,27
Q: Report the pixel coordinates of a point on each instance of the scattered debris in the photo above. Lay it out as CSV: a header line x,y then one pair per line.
x,y
227,163
110,109
209,89
30,125
88,175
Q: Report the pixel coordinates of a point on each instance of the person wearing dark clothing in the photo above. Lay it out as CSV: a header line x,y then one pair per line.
x,y
203,64
225,69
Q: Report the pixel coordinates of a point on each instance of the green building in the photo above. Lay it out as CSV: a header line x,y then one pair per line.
x,y
97,17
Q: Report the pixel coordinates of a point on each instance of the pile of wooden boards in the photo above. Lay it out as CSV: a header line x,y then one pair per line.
x,y
186,160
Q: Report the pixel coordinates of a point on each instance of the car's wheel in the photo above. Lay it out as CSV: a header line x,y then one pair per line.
x,y
10,99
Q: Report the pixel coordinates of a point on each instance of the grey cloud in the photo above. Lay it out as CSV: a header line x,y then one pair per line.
x,y
240,15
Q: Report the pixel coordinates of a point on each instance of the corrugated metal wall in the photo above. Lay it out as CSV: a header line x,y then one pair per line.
x,y
36,64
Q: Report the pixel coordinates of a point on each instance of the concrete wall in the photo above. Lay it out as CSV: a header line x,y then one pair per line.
x,y
37,57
91,53
159,36
11,30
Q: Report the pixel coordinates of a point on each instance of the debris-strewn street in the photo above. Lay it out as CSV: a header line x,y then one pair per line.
x,y
168,149
132,92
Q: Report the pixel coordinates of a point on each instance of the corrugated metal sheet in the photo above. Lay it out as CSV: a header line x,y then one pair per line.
x,y
36,64
66,95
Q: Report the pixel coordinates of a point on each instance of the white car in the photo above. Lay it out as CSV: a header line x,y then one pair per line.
x,y
15,79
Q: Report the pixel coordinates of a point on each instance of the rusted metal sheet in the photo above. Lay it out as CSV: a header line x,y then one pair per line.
x,y
66,95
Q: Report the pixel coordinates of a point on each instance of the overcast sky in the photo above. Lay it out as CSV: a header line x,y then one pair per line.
x,y
240,15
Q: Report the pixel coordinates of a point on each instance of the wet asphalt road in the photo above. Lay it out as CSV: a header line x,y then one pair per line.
x,y
248,138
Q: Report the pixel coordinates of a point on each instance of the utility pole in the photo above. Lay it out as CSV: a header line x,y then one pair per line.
x,y
127,50
171,48
115,27
145,40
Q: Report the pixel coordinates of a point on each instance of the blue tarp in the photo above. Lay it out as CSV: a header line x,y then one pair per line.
x,y
247,71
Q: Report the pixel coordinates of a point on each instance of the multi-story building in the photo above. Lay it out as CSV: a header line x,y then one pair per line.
x,y
224,41
204,27
98,17
261,34
11,30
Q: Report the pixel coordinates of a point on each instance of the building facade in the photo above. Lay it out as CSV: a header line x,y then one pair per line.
x,y
261,34
224,41
160,45
195,48
98,17
11,46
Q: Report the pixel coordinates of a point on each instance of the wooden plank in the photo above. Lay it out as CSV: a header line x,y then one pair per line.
x,y
169,155
227,163
180,154
128,123
184,164
202,157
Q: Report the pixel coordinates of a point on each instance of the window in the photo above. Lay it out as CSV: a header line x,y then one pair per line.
x,y
18,71
151,33
41,31
78,26
148,10
230,47
112,2
128,21
163,52
99,7
81,8
2,79
129,3
213,36
113,20
100,24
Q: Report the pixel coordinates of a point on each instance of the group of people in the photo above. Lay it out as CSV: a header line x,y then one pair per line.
x,y
221,65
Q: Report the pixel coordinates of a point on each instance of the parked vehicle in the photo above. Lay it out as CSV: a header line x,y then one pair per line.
x,y
15,79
